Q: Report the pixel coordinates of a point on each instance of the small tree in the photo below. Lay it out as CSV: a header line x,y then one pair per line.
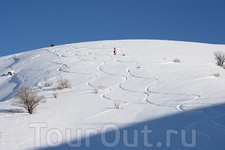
x,y
28,98
220,58
63,84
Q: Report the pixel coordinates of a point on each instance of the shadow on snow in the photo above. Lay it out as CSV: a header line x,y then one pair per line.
x,y
198,129
14,79
12,111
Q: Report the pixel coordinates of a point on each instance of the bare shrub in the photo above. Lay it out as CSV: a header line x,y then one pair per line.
x,y
55,95
220,57
216,74
116,105
98,89
176,60
28,98
95,90
47,83
63,84
138,67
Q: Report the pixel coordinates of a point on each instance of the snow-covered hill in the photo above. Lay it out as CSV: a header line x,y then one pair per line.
x,y
162,104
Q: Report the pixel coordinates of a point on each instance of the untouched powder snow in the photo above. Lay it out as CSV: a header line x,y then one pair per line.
x,y
162,104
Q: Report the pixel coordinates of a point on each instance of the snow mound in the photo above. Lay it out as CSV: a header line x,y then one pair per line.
x,y
161,103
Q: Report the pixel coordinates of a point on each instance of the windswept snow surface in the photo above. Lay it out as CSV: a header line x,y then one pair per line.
x,y
162,104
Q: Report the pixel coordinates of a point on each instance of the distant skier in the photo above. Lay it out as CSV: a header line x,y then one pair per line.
x,y
114,51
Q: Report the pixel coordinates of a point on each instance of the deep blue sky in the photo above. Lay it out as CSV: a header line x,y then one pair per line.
x,y
31,24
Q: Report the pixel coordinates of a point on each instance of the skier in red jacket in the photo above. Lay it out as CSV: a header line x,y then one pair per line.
x,y
114,51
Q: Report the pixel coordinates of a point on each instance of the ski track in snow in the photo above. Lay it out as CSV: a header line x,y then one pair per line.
x,y
118,85
146,90
61,65
179,107
128,71
209,119
88,83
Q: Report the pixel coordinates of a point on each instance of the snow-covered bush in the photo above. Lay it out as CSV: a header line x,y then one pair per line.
x,y
12,72
216,74
47,83
116,105
63,84
176,60
220,57
98,89
95,90
55,95
28,98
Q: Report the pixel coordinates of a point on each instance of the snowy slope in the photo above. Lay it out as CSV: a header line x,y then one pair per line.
x,y
163,104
